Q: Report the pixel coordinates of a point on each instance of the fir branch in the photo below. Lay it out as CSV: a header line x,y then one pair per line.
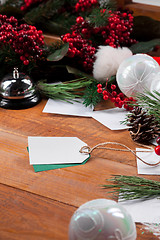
x,y
132,187
98,18
64,91
91,96
44,10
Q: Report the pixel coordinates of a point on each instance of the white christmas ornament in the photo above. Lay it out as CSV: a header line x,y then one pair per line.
x,y
136,74
102,219
155,86
108,60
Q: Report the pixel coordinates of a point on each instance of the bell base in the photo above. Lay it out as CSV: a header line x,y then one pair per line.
x,y
24,103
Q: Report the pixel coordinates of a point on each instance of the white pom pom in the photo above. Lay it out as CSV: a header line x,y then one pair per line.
x,y
108,60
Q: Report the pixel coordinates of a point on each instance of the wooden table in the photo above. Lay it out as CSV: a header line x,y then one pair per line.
x,y
38,206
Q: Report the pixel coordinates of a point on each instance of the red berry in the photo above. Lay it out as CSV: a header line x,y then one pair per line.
x,y
79,19
113,87
105,92
105,97
114,93
99,90
26,62
157,150
158,140
99,85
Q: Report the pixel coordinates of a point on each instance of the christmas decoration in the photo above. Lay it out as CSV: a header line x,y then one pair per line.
x,y
91,96
155,85
24,40
158,140
119,99
150,103
65,91
81,5
135,74
108,60
18,91
142,126
132,187
87,34
101,219
97,23
157,148
29,3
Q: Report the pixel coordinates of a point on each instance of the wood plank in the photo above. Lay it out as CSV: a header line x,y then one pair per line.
x,y
28,216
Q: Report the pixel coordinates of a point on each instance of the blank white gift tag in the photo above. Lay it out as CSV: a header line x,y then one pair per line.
x,y
149,157
55,150
65,108
111,118
143,210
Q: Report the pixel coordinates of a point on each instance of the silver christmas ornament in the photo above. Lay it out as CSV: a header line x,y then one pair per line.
x,y
17,91
136,74
102,219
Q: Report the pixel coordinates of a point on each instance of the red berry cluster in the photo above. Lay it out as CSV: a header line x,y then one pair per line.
x,y
80,45
118,30
29,3
157,149
83,39
118,99
82,5
25,40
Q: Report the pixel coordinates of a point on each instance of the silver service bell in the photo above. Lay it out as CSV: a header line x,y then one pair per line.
x,y
17,91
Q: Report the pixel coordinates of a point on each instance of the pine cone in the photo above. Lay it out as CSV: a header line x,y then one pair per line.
x,y
143,127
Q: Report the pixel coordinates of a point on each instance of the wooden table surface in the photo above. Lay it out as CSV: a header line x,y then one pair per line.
x,y
38,206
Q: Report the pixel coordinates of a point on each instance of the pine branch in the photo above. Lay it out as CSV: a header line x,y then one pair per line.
x,y
44,10
91,96
151,103
132,187
65,91
98,18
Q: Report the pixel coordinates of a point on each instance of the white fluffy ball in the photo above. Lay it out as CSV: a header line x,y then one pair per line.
x,y
108,60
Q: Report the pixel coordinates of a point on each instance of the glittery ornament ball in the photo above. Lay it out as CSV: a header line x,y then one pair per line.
x,y
136,74
102,219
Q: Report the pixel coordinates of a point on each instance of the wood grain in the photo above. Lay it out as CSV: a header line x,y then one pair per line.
x,y
27,216
60,191
144,10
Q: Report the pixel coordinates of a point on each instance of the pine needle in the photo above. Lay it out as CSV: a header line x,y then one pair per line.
x,y
98,18
91,96
132,187
65,91
151,103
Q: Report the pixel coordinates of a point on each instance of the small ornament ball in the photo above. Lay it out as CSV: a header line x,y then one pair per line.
x,y
158,140
101,219
136,74
157,150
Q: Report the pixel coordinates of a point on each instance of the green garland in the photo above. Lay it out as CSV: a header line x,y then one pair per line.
x,y
132,187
